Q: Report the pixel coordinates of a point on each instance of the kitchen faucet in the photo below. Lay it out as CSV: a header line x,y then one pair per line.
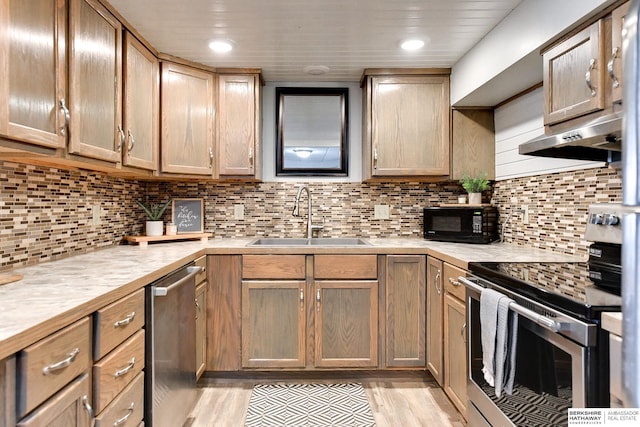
x,y
296,211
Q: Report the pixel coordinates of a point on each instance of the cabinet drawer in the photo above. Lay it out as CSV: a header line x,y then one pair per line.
x,y
51,363
202,276
345,267
126,409
117,322
66,408
115,371
451,283
273,267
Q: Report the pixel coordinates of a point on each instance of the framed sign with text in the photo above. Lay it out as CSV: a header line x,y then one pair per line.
x,y
188,215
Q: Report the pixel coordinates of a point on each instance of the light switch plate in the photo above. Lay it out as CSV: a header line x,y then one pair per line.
x,y
238,211
381,212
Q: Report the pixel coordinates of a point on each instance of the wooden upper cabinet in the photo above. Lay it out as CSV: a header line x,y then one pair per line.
x,y
574,75
614,66
141,108
187,109
473,143
406,126
33,70
238,129
95,82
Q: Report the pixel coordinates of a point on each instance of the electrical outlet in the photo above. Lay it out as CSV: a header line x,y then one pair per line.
x,y
525,214
238,211
381,212
95,215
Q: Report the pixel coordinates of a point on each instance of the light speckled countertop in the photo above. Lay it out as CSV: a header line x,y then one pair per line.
x,y
52,295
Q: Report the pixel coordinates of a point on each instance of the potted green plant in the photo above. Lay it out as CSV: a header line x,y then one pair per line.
x,y
475,186
154,211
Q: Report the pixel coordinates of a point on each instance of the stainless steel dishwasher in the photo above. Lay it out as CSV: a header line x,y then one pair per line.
x,y
170,388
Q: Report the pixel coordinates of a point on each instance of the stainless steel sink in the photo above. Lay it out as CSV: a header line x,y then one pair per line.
x,y
319,241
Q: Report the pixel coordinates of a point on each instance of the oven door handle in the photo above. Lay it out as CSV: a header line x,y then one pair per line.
x,y
543,321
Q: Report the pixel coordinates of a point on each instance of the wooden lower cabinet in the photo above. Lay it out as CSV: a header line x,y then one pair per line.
x,y
224,277
455,337
405,299
346,324
201,316
201,329
455,349
273,324
8,392
435,300
67,408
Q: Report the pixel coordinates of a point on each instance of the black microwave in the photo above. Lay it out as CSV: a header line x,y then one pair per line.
x,y
463,224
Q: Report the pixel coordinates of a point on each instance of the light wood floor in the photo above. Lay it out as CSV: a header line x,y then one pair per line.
x,y
407,402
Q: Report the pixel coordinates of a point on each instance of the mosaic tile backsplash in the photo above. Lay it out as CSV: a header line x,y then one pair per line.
x,y
47,213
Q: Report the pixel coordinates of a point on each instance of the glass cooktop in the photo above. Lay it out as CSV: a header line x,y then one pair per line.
x,y
564,286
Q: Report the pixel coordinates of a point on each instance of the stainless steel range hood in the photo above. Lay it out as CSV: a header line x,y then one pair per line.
x,y
599,140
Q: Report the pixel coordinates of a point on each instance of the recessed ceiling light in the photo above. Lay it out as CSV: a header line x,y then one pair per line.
x,y
413,44
220,46
303,153
316,70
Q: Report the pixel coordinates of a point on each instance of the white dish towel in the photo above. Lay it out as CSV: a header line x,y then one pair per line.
x,y
498,327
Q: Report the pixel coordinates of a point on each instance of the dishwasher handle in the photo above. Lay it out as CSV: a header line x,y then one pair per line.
x,y
161,291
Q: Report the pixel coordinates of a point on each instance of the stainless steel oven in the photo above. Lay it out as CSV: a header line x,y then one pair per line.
x,y
561,353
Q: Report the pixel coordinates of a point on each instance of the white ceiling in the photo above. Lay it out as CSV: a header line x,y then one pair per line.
x,y
284,36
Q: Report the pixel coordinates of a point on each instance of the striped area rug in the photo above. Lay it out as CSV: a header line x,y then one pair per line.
x,y
309,405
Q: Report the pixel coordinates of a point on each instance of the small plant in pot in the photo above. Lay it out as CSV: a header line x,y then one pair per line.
x,y
475,186
154,211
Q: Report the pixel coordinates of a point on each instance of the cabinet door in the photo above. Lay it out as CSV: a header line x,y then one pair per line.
x,y
473,143
346,329
237,119
201,328
435,298
30,106
68,408
187,120
405,306
410,125
95,81
141,105
573,77
273,324
224,293
614,66
455,352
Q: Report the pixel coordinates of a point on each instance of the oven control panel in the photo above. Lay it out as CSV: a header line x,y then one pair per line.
x,y
604,223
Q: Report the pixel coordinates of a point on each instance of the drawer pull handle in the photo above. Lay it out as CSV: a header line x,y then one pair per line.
x,y
61,364
121,372
454,282
89,409
612,73
587,77
128,319
437,282
124,419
